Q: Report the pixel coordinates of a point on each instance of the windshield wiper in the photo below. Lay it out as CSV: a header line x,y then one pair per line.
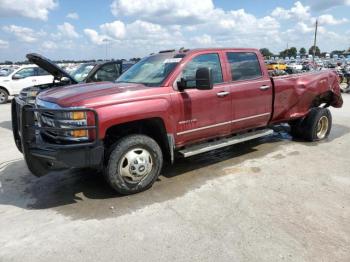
x,y
130,82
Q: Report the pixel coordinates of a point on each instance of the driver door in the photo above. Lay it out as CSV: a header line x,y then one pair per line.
x,y
202,114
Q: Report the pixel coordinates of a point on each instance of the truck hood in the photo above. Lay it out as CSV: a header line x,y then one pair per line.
x,y
49,66
85,93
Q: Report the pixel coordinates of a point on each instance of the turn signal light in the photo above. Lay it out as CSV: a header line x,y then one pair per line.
x,y
78,115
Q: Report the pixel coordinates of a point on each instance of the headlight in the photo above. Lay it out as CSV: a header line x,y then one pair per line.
x,y
64,121
74,119
32,94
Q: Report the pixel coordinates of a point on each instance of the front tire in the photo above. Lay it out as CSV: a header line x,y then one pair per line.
x,y
133,164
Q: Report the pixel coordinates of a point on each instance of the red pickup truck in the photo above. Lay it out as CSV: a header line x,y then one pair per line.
x,y
174,103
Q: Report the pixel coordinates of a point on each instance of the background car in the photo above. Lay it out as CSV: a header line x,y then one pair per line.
x,y
276,66
85,73
28,75
295,66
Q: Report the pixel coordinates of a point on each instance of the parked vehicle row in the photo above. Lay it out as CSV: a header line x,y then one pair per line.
x,y
285,67
85,73
28,80
170,104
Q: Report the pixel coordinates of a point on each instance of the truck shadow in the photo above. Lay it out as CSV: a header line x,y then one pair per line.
x,y
6,125
85,195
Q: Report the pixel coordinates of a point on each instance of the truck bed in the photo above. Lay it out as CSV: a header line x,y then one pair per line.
x,y
293,94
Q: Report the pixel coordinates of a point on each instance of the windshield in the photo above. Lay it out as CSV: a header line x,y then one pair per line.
x,y
82,72
152,70
5,71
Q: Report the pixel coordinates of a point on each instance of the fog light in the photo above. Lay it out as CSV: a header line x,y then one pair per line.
x,y
79,133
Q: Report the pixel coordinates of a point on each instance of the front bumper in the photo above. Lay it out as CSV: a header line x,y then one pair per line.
x,y
43,157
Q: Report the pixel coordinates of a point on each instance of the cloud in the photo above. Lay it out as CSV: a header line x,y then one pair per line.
x,y
304,28
95,37
36,9
49,45
23,34
235,28
142,29
115,29
4,44
320,5
67,30
204,40
241,21
297,11
224,28
73,15
164,11
140,33
330,20
300,12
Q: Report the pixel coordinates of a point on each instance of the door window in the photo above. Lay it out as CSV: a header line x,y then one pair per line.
x,y
244,66
108,72
126,66
26,72
211,61
42,72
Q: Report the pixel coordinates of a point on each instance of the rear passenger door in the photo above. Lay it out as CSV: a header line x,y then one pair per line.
x,y
251,91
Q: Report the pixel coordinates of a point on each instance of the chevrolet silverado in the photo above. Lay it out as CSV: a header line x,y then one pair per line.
x,y
170,104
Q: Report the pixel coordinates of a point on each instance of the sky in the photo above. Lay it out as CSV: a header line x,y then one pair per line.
x,y
105,29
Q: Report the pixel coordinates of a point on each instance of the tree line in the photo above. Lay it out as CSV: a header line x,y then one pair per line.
x,y
70,61
293,51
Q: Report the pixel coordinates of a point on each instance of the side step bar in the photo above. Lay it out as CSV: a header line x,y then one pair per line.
x,y
205,147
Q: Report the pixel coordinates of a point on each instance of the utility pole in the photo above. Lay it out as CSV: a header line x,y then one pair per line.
x,y
315,38
107,42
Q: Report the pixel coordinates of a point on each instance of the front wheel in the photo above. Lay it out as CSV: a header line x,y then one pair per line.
x,y
3,96
133,164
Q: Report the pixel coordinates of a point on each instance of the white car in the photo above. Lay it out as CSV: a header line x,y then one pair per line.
x,y
295,66
24,76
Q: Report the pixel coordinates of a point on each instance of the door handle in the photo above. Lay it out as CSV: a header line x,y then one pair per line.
x,y
265,87
223,94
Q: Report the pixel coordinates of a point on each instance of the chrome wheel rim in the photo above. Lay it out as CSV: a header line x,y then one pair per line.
x,y
135,165
2,97
322,127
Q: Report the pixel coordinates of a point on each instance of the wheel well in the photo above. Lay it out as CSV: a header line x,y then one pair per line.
x,y
324,98
3,88
152,127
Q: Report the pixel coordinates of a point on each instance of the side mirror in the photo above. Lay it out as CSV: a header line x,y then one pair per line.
x,y
65,79
204,78
17,76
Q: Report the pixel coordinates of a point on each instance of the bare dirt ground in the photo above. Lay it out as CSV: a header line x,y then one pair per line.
x,y
271,199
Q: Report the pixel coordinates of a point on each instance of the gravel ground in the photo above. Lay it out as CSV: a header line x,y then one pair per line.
x,y
271,199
